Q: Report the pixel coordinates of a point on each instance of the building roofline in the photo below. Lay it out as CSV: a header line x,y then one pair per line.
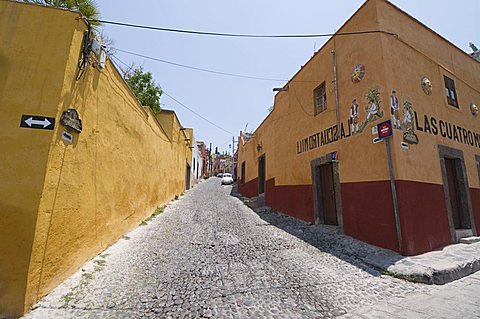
x,y
326,43
45,6
343,26
429,29
174,113
259,125
355,13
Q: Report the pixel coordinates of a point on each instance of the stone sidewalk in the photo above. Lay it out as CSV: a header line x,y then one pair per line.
x,y
459,299
440,266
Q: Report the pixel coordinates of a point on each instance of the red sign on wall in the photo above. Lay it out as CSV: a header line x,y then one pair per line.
x,y
385,129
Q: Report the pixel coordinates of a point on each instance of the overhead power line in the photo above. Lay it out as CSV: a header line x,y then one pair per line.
x,y
236,35
201,69
180,103
205,119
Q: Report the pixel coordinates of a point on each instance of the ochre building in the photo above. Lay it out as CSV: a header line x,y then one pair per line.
x,y
81,161
318,156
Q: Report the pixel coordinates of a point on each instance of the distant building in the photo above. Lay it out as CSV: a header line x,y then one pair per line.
x,y
222,163
323,161
201,168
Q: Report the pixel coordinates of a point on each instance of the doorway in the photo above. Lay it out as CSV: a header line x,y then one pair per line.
x,y
261,174
326,191
457,193
187,177
451,167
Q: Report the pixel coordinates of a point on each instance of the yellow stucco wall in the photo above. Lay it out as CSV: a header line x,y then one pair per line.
x,y
391,63
61,203
418,52
293,116
30,83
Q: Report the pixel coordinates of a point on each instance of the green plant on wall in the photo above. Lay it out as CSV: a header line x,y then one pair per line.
x,y
373,95
373,108
86,7
145,89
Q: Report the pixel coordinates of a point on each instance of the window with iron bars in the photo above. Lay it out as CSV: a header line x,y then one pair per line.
x,y
320,99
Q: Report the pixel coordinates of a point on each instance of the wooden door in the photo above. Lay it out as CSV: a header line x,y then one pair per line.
x,y
327,189
261,174
187,177
450,165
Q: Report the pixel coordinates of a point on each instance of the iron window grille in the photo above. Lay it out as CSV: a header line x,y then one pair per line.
x,y
320,96
450,92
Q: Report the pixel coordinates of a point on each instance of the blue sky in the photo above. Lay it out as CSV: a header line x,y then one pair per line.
x,y
232,102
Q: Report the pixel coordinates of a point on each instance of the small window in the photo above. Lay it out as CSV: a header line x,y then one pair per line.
x,y
320,95
450,92
243,172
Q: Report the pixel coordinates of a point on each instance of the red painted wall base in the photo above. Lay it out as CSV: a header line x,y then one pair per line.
x,y
368,213
248,189
475,196
294,200
423,216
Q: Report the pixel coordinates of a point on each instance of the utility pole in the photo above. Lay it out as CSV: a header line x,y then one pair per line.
x,y
394,195
233,155
210,160
335,86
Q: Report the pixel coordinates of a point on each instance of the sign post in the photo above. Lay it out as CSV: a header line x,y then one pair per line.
x,y
385,132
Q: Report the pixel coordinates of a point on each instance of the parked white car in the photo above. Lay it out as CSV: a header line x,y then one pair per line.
x,y
227,179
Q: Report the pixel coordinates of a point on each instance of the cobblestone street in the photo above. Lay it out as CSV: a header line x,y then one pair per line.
x,y
209,255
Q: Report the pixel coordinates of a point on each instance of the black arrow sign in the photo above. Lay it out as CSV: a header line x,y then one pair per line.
x,y
37,122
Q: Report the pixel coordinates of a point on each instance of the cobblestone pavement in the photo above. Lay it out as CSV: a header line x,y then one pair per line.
x,y
209,255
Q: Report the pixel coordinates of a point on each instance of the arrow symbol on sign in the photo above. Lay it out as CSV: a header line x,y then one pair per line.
x,y
30,121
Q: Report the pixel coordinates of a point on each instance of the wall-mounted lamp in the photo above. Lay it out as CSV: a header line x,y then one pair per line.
x,y
280,89
259,147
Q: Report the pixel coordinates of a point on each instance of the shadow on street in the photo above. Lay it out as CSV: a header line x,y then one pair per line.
x,y
327,239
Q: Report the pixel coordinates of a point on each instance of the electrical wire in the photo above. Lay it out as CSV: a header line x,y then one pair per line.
x,y
236,35
113,56
204,70
200,116
298,101
180,103
84,59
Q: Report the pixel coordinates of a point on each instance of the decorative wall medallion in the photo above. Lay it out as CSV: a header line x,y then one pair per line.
x,y
358,73
409,135
70,120
474,109
427,86
395,111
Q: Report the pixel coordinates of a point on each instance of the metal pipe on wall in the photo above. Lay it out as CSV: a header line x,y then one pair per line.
x,y
336,92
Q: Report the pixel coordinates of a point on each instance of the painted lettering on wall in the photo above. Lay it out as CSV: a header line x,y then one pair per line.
x,y
427,124
325,137
431,125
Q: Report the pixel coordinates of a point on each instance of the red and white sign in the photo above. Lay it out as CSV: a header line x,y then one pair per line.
x,y
385,129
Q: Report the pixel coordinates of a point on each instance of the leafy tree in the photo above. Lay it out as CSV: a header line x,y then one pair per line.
x,y
145,89
86,7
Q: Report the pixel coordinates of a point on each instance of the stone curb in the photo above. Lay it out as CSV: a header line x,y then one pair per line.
x,y
432,276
